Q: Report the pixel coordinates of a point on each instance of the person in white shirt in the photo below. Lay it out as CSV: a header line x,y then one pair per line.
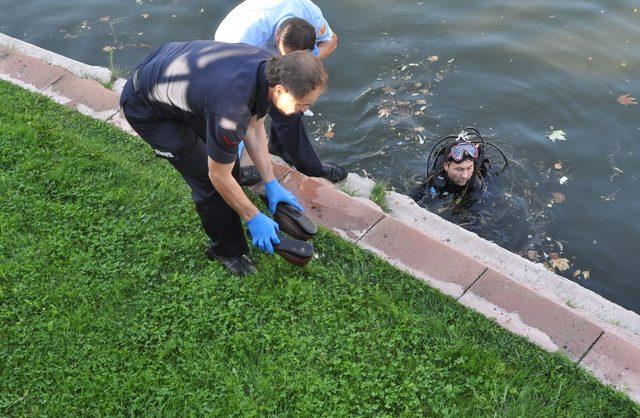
x,y
284,26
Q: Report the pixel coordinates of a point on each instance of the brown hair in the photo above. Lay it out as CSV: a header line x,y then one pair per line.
x,y
299,72
297,34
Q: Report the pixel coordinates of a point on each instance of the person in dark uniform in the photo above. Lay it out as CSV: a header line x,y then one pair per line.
x,y
194,102
460,170
284,26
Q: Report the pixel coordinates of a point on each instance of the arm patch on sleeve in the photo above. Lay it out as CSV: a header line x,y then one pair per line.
x,y
222,143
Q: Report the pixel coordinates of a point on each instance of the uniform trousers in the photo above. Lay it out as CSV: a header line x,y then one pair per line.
x,y
290,140
179,144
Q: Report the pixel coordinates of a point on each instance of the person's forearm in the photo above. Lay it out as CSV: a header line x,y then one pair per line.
x,y
257,146
326,48
224,183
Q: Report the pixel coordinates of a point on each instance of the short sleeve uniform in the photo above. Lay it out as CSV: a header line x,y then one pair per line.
x,y
255,22
213,88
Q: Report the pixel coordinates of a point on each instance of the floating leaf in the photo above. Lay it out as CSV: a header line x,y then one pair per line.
x,y
561,264
105,18
563,180
433,58
558,197
558,165
145,15
419,129
627,100
577,273
108,48
586,274
558,135
383,113
533,255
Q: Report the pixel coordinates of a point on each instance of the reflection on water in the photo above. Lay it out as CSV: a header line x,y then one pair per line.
x,y
409,72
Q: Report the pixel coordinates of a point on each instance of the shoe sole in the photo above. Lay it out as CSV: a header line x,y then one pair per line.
x,y
294,251
293,222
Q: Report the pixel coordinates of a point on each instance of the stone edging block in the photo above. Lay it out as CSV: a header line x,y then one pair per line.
x,y
615,361
27,72
523,311
442,267
87,96
80,69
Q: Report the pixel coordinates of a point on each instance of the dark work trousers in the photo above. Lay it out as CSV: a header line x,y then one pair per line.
x,y
290,140
178,143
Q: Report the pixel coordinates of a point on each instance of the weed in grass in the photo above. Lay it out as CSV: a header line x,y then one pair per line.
x,y
379,194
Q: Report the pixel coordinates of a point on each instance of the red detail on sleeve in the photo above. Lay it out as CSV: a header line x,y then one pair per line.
x,y
229,142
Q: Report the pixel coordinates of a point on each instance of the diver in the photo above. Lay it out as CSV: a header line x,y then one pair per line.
x,y
458,167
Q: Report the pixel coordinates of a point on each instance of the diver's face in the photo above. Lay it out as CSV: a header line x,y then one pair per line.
x,y
459,173
288,104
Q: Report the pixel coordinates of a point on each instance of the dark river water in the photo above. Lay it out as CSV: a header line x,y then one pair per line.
x,y
409,72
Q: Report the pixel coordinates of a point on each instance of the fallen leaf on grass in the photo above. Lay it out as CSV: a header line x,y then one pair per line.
x,y
627,100
577,273
109,48
558,197
561,264
419,129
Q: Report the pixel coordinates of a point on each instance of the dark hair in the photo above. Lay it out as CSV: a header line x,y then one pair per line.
x,y
299,72
297,34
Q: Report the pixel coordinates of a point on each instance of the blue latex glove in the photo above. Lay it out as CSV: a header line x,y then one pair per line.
x,y
276,194
263,232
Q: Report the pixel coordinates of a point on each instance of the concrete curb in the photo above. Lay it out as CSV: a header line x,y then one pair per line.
x,y
80,69
521,296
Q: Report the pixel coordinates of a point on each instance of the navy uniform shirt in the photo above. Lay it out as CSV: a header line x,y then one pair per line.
x,y
215,88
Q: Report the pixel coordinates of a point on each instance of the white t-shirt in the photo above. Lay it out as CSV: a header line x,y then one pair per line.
x,y
255,22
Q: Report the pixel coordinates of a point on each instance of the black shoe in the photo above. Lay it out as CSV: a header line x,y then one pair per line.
x,y
333,173
249,176
238,266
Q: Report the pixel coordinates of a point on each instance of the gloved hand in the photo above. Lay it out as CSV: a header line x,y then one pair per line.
x,y
276,194
263,232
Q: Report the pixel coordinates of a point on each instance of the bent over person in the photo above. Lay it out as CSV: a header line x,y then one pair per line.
x,y
194,102
284,26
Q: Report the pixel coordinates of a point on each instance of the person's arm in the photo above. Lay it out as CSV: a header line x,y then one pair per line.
x,y
223,181
256,143
326,48
258,149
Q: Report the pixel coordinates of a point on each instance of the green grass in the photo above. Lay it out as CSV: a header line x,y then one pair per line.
x,y
379,195
108,306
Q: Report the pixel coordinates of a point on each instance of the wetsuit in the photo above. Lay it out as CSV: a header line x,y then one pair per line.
x,y
176,100
440,186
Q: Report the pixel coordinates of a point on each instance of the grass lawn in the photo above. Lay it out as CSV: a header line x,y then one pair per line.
x,y
109,307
